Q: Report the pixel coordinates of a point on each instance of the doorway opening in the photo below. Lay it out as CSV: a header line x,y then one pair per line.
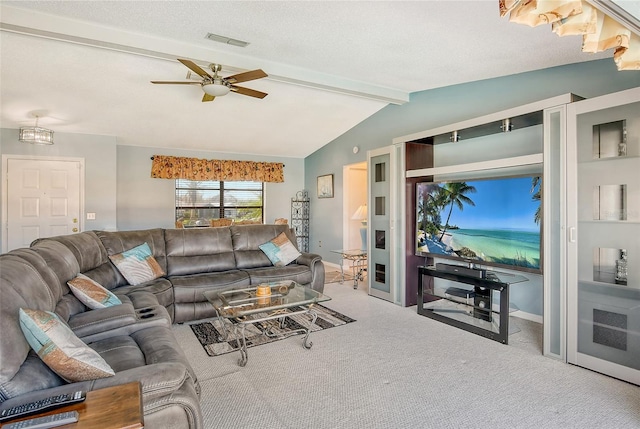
x,y
354,196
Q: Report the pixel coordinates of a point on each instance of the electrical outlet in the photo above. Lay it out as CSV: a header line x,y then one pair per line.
x,y
91,216
320,243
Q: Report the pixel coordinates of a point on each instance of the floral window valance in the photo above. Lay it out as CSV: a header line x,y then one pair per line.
x,y
175,167
577,17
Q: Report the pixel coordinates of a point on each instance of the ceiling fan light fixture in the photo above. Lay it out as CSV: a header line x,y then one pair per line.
x,y
216,89
35,135
213,85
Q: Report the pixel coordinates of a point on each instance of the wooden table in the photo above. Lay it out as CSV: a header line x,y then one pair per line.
x,y
117,407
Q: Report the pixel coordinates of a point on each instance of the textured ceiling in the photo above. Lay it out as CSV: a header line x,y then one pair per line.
x,y
331,65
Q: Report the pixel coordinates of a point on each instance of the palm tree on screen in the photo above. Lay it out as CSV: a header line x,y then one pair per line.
x,y
535,196
455,194
430,204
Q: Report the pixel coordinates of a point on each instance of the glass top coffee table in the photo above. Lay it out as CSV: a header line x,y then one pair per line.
x,y
268,301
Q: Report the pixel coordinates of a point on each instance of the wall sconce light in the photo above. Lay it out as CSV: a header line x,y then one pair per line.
x,y
35,135
506,125
454,136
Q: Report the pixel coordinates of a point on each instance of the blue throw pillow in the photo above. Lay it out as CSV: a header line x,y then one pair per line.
x,y
60,348
280,250
91,293
137,265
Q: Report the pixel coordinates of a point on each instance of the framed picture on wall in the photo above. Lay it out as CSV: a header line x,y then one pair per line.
x,y
325,186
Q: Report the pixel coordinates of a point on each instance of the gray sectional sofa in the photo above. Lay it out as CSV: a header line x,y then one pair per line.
x,y
134,337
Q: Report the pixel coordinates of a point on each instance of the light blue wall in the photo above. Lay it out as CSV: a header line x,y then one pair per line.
x,y
439,107
118,183
99,153
144,202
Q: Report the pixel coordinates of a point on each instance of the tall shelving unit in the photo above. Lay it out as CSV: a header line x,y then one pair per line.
x,y
300,219
603,212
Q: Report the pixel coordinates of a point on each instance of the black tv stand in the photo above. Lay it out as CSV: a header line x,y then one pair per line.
x,y
467,308
462,270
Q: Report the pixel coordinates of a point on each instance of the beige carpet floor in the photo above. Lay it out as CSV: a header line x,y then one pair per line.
x,y
393,368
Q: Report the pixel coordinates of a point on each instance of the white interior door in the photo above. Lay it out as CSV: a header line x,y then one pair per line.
x,y
43,199
381,234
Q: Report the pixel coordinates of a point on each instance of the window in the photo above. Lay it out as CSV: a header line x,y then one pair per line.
x,y
199,201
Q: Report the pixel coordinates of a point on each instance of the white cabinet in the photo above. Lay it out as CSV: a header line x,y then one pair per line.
x,y
603,234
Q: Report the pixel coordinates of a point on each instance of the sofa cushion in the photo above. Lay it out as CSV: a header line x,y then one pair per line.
x,y
33,375
137,265
120,241
60,349
190,288
15,275
135,355
91,293
247,239
298,273
161,288
199,250
43,268
280,250
61,261
85,246
121,352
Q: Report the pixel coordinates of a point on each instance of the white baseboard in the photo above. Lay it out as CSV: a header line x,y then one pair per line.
x,y
331,265
527,316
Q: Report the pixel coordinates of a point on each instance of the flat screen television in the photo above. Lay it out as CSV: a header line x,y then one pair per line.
x,y
494,222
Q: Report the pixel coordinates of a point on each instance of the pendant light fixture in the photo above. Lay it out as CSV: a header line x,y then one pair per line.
x,y
36,135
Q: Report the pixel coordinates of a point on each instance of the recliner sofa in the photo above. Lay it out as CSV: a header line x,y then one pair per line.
x,y
135,337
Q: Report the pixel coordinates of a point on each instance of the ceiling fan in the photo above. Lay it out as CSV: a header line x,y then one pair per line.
x,y
215,85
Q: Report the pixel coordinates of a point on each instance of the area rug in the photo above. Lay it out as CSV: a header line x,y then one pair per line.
x,y
212,335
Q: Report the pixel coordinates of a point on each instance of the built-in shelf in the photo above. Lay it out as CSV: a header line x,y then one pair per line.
x,y
517,163
523,110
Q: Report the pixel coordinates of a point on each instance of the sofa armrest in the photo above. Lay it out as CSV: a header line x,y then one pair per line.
x,y
102,319
93,326
308,259
314,262
156,380
163,386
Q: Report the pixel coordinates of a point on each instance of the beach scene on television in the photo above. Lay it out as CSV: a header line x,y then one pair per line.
x,y
495,221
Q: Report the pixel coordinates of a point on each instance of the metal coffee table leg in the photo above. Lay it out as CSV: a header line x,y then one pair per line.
x,y
244,357
307,344
239,330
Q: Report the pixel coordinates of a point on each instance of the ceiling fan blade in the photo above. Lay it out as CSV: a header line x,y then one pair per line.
x,y
249,92
246,76
208,97
194,67
179,82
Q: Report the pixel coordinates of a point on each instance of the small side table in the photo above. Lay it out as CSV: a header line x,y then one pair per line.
x,y
358,257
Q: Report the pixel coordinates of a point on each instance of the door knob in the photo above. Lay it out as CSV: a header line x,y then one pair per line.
x,y
75,220
75,230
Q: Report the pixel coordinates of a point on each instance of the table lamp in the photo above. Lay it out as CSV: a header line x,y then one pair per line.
x,y
361,215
